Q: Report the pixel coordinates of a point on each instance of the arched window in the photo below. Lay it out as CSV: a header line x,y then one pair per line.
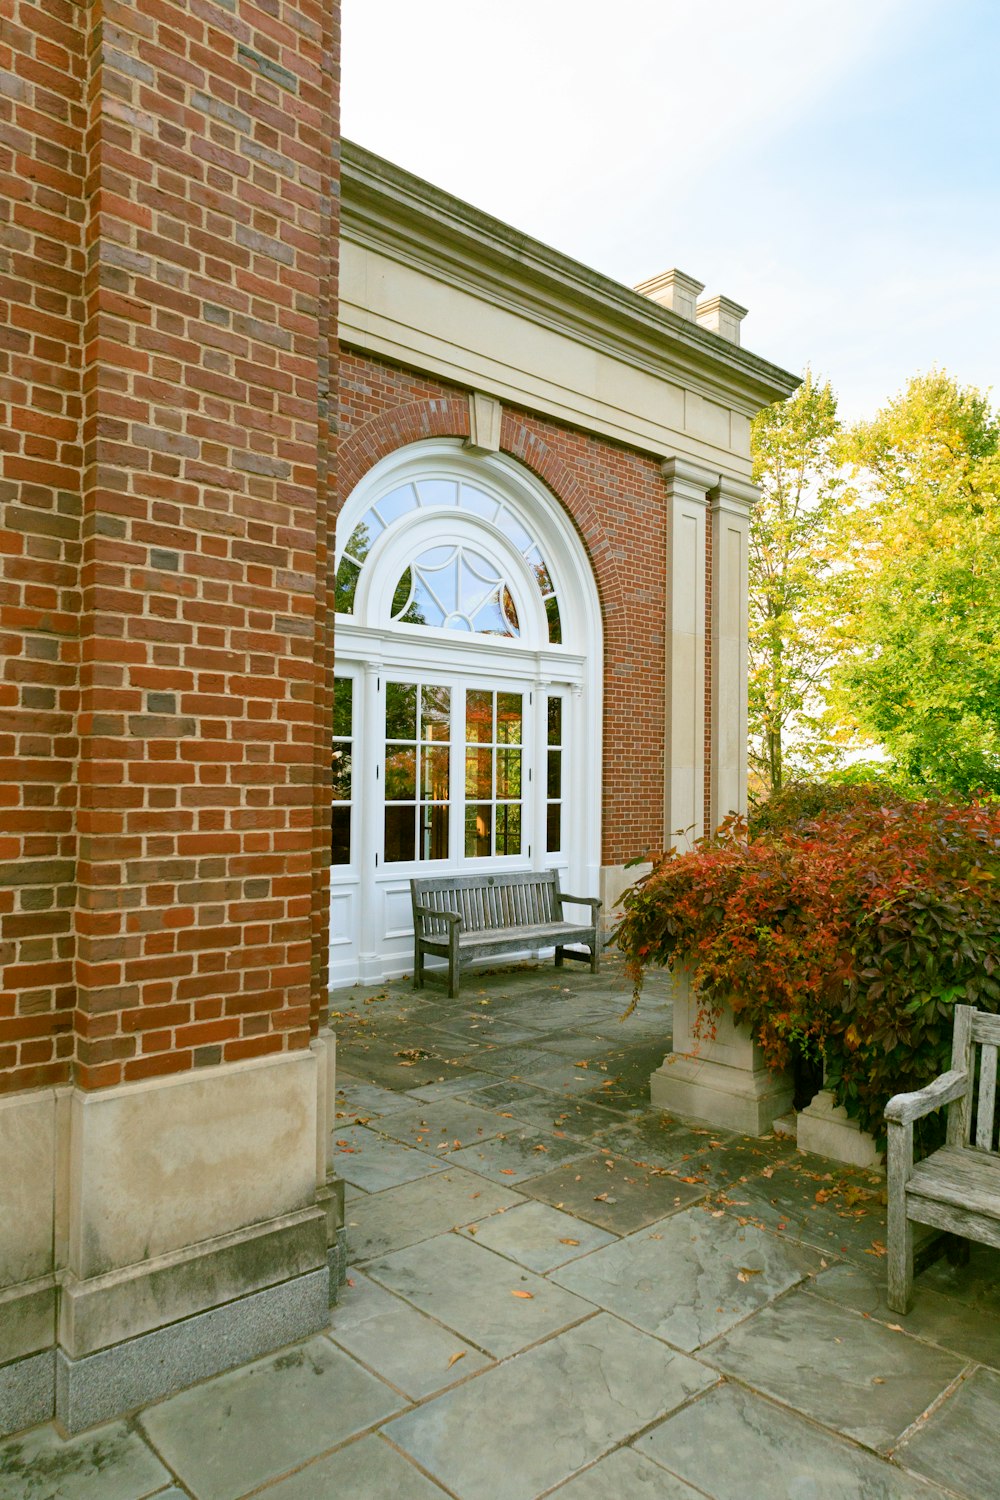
x,y
457,586
467,718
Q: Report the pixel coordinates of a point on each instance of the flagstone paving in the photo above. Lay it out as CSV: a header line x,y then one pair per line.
x,y
558,1291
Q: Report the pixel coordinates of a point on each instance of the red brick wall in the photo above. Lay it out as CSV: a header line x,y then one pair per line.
x,y
42,122
206,464
616,498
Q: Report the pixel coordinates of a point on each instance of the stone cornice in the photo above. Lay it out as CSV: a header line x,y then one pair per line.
x,y
389,209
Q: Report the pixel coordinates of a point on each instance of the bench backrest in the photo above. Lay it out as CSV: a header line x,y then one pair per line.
x,y
973,1118
489,901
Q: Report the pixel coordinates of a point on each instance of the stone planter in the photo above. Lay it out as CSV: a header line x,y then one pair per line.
x,y
723,1082
826,1129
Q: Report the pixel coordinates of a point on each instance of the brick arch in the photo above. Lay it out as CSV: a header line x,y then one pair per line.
x,y
448,417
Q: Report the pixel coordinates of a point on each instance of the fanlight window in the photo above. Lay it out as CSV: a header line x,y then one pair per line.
x,y
457,589
451,587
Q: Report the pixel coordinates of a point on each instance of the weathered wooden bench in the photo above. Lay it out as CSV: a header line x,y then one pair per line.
x,y
464,917
955,1189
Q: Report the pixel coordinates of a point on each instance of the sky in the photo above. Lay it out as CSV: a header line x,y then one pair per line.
x,y
832,165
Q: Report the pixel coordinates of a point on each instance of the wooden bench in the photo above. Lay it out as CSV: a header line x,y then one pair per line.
x,y
463,917
956,1189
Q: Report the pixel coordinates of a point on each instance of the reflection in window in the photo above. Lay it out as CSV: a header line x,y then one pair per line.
x,y
554,777
417,769
493,775
343,739
448,587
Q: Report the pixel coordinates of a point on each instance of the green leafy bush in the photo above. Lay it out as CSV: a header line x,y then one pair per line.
x,y
845,926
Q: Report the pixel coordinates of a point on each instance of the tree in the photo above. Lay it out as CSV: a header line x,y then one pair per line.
x,y
920,586
796,465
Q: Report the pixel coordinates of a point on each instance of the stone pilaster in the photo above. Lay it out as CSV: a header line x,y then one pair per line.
x,y
684,789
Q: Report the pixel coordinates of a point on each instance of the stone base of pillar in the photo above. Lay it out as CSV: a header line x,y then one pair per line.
x,y
719,1080
826,1129
723,1097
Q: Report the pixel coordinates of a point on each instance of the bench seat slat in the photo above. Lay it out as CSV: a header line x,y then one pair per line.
x,y
965,1179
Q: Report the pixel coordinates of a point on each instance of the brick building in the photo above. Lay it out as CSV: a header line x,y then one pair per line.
x,y
519,504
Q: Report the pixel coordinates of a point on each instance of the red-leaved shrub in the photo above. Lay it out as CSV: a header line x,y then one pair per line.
x,y
848,933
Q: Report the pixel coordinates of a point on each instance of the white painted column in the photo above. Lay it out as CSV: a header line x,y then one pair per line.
x,y
684,789
731,501
535,799
369,749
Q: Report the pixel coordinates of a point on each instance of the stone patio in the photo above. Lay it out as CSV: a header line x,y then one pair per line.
x,y
558,1291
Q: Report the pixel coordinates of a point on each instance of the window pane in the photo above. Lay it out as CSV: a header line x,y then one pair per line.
x,y
479,504
478,774
434,772
479,718
343,694
433,831
536,563
341,773
400,600
400,834
340,836
555,721
400,711
554,781
553,828
399,503
478,825
346,586
509,718
508,773
491,620
435,713
509,828
437,491
513,530
400,773
424,609
555,625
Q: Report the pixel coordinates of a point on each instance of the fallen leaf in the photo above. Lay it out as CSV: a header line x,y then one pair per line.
x,y
878,1380
472,1229
896,1327
767,1172
604,1198
745,1272
876,1248
505,1114
507,1171
522,1294
456,1357
569,1242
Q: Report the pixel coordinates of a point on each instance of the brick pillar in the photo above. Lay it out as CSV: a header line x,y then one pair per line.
x,y
188,1197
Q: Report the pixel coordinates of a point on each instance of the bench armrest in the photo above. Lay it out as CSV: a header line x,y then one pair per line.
x,y
592,901
451,917
903,1109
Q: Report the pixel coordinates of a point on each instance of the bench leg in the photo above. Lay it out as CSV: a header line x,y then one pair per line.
x,y
595,957
899,1268
418,967
559,958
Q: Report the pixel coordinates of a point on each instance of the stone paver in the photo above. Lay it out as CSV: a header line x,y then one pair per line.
x,y
624,1475
958,1443
696,1313
367,1470
542,1416
486,1299
538,1236
231,1434
371,1161
612,1193
850,1373
446,1200
111,1463
734,1445
688,1278
409,1350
